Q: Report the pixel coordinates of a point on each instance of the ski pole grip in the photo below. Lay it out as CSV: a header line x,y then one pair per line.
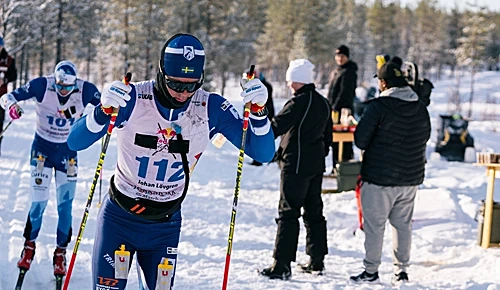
x,y
251,72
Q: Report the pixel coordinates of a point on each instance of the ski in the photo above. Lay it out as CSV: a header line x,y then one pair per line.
x,y
59,282
20,278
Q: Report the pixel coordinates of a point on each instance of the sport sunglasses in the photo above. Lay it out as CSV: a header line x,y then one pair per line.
x,y
65,87
180,87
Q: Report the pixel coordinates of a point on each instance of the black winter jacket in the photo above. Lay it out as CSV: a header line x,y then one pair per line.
x,y
342,87
393,131
305,127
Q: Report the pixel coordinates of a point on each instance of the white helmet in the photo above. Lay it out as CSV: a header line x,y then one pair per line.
x,y
65,75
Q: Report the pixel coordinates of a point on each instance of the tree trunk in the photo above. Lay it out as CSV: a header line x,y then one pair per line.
x,y
42,51
59,32
148,40
471,96
125,28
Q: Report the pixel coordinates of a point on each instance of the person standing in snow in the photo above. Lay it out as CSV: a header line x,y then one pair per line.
x,y
393,133
61,99
8,74
162,127
341,95
305,127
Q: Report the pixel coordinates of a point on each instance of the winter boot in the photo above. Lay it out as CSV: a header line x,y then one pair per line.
x,y
366,277
27,255
59,262
315,266
399,279
279,270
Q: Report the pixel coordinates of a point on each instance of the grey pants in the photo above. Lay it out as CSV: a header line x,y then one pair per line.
x,y
380,203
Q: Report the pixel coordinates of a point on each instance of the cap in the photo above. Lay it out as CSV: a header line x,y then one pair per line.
x,y
391,73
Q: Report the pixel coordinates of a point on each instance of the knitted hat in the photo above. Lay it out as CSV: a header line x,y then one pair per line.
x,y
300,71
184,57
342,50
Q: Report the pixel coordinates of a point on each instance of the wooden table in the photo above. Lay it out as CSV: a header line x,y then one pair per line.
x,y
491,172
341,137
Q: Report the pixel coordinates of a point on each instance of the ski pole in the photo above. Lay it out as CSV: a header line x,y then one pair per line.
x,y
100,179
246,115
104,148
7,126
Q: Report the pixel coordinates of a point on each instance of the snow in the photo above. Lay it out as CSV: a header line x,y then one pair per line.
x,y
445,253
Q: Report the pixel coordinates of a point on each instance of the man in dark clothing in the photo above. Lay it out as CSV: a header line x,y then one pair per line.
x,y
269,104
305,127
341,94
8,73
393,133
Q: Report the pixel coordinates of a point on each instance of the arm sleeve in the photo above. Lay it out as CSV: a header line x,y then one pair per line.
x,y
34,88
90,128
327,135
366,127
91,94
225,119
286,118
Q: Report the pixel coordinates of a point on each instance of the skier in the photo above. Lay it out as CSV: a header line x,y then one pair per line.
x,y
162,128
61,99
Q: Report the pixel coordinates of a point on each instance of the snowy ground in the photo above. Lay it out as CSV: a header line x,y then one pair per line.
x,y
445,254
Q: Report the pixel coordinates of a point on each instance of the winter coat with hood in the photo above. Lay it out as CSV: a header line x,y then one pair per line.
x,y
342,87
393,131
305,126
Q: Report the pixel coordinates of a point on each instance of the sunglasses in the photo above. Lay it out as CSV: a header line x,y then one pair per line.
x,y
65,87
180,87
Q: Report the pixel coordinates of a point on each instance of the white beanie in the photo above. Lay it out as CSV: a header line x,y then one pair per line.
x,y
300,71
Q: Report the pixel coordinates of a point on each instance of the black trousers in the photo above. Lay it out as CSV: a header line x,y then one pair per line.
x,y
2,118
347,154
299,192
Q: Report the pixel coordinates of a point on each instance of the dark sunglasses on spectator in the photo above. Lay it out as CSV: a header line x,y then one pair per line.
x,y
65,87
181,86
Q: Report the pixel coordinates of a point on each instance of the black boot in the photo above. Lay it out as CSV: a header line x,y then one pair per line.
x,y
314,266
279,270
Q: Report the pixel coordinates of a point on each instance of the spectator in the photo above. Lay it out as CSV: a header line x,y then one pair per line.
x,y
341,94
8,74
305,127
269,104
393,133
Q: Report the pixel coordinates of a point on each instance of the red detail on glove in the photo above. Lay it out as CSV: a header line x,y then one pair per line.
x,y
254,108
108,110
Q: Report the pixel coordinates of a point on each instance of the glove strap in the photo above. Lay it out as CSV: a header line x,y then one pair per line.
x,y
108,110
258,111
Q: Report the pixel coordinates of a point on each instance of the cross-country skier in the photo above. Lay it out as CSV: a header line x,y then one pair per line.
x,y
60,100
162,128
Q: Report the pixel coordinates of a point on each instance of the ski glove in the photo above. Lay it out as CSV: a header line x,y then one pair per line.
x,y
254,92
115,95
15,112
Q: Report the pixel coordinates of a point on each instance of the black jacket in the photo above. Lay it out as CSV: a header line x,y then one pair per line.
x,y
305,127
393,131
270,102
342,87
8,67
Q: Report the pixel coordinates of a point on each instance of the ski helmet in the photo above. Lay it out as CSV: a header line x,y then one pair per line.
x,y
65,76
